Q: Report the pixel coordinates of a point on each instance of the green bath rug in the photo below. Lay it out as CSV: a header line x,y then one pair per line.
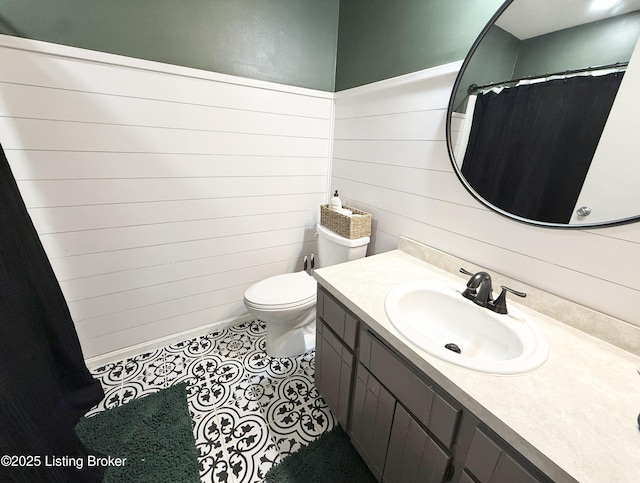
x,y
329,459
154,435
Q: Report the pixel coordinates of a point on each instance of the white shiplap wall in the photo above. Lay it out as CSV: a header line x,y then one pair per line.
x,y
160,193
390,158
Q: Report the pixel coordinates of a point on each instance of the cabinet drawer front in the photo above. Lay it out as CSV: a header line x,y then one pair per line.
x,y
428,407
397,377
341,322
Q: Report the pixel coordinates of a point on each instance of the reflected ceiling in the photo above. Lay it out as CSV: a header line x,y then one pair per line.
x,y
524,22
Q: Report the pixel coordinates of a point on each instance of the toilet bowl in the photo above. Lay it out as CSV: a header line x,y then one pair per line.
x,y
287,302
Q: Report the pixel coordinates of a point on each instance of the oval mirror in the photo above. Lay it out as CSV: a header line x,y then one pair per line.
x,y
542,124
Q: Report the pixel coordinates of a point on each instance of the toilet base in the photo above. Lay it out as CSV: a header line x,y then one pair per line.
x,y
283,341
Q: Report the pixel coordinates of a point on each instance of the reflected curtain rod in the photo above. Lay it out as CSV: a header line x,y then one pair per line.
x,y
473,88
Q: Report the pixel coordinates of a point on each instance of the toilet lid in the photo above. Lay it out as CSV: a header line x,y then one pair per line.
x,y
286,289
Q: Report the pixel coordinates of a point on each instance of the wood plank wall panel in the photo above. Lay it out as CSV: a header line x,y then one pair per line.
x,y
390,158
160,194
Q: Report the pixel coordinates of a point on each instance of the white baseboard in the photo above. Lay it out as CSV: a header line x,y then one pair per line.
x,y
154,344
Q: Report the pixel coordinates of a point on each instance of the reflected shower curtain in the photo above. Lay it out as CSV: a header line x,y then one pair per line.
x,y
530,147
45,386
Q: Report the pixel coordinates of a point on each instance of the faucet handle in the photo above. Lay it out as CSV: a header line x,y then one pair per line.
x,y
466,272
500,304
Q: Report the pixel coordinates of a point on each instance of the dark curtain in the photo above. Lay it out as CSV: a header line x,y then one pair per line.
x,y
530,147
45,386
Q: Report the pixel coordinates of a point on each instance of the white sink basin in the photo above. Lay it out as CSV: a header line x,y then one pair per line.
x,y
432,315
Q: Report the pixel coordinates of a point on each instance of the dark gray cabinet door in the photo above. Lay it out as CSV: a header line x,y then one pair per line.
x,y
508,470
420,398
373,408
413,456
334,372
489,462
465,478
482,457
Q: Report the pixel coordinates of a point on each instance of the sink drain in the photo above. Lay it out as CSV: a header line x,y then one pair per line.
x,y
453,347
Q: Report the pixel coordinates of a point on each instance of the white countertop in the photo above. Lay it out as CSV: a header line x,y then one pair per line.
x,y
575,417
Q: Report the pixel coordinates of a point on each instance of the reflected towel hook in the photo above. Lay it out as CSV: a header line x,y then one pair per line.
x,y
583,211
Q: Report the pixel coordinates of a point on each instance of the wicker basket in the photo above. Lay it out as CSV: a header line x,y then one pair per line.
x,y
350,227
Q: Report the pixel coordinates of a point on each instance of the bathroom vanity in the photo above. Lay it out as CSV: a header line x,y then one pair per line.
x,y
414,417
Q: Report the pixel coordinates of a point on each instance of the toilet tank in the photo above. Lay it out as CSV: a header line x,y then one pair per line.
x,y
334,249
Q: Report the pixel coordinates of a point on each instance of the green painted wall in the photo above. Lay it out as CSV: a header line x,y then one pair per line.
x,y
379,39
291,42
597,43
493,61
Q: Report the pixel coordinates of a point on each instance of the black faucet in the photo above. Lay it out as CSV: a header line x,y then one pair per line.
x,y
479,290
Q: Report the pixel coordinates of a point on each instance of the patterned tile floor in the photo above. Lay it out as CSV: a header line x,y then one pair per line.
x,y
249,410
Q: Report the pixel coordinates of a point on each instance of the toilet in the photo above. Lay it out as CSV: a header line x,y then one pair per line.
x,y
287,303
